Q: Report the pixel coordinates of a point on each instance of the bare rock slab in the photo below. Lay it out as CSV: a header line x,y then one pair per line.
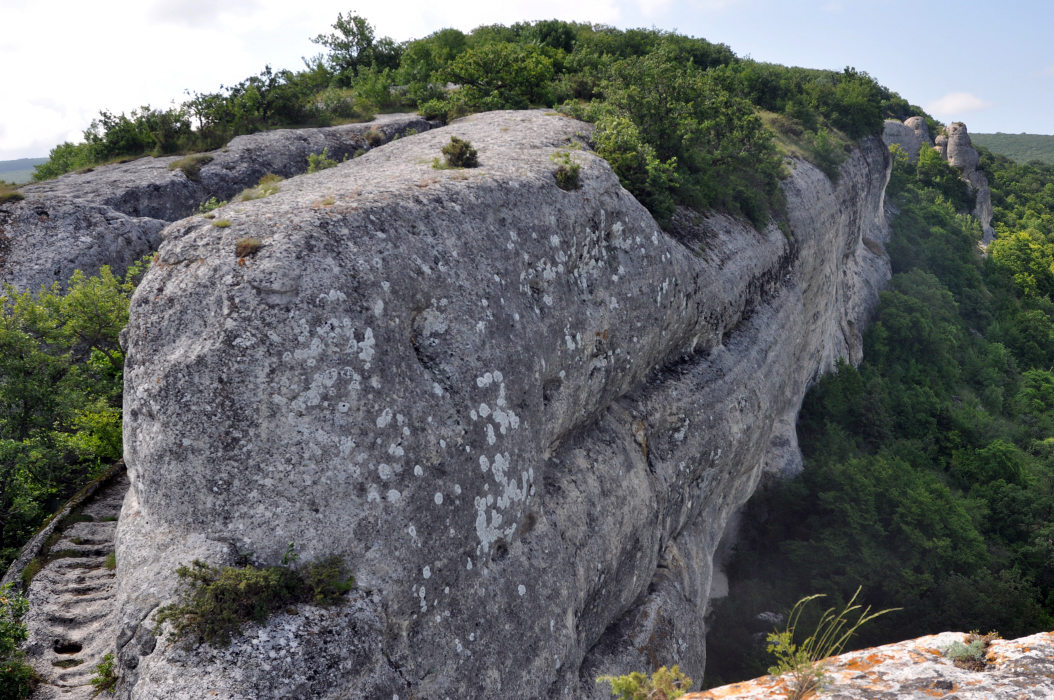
x,y
522,415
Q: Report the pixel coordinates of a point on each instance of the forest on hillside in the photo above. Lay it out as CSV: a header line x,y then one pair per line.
x,y
1022,148
929,473
929,469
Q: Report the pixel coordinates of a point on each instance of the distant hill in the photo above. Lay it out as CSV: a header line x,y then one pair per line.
x,y
19,171
1019,147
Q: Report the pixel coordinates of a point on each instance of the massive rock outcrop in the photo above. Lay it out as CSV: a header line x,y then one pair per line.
x,y
522,415
113,214
955,146
912,135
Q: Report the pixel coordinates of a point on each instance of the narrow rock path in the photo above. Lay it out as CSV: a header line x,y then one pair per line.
x,y
71,599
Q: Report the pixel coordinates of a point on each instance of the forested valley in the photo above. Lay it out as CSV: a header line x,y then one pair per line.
x,y
929,470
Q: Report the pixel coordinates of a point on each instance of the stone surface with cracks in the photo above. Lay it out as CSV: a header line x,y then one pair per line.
x,y
113,214
522,415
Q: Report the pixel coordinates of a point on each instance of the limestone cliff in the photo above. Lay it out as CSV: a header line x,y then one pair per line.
x,y
522,415
113,214
958,150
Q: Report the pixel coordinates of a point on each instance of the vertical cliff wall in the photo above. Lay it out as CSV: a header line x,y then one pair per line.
x,y
522,415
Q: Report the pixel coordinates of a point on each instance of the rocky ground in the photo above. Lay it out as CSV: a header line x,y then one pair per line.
x,y
918,668
72,598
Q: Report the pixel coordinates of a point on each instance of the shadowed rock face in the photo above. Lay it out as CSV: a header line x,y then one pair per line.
x,y
113,214
523,416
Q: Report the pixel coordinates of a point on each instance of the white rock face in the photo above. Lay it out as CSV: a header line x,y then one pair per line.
x,y
523,416
912,134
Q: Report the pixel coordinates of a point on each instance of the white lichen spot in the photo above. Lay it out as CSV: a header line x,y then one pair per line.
x,y
393,496
343,406
395,450
385,472
485,380
436,389
468,566
484,410
413,531
521,589
378,308
457,489
385,418
484,463
373,494
491,438
418,471
457,643
366,347
439,498
426,572
472,414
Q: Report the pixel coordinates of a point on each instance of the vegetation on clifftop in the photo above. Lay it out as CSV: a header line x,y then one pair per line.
x,y
678,117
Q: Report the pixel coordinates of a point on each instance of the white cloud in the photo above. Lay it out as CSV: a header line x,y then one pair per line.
x,y
955,103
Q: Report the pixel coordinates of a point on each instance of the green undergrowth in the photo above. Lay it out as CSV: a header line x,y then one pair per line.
x,y
682,120
664,684
825,148
928,468
61,380
215,602
105,678
17,678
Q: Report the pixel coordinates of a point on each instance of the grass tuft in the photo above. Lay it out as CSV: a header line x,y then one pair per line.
x,y
191,165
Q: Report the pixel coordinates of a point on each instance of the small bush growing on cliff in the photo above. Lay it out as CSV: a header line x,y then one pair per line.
x,y
215,602
566,173
374,137
320,161
17,679
460,154
971,655
105,678
801,659
664,684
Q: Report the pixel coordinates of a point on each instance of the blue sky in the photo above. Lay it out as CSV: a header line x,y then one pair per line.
x,y
991,67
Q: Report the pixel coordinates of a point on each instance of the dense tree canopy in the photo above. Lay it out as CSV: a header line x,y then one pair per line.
x,y
929,475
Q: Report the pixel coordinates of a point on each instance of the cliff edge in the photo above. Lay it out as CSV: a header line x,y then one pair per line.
x,y
522,415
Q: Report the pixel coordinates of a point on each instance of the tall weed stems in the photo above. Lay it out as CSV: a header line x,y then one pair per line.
x,y
801,660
